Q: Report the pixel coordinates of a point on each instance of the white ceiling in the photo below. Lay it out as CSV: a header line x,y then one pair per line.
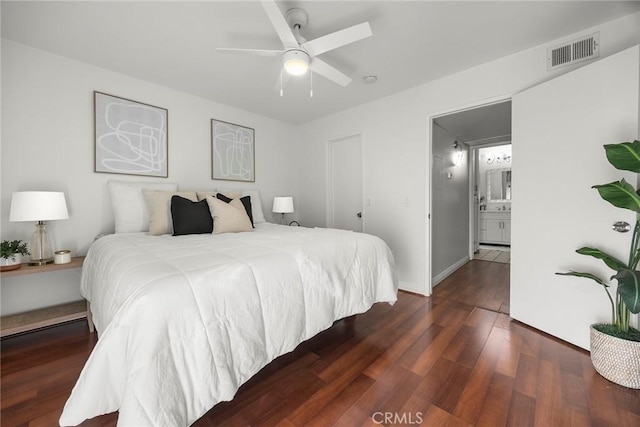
x,y
173,43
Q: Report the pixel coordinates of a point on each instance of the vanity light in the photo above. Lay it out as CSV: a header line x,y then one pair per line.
x,y
502,158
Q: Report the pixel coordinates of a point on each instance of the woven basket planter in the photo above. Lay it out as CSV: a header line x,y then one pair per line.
x,y
616,359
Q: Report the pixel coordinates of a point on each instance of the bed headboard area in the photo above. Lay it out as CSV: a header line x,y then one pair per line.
x,y
150,207
126,206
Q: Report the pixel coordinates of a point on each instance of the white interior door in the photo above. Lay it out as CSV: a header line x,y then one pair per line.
x,y
559,129
345,207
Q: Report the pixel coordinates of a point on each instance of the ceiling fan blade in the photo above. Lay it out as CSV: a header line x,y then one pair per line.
x,y
280,24
261,52
339,38
326,70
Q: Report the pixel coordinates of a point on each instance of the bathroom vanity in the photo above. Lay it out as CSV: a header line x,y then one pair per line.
x,y
495,227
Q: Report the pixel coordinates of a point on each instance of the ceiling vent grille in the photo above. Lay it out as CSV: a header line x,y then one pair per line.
x,y
575,51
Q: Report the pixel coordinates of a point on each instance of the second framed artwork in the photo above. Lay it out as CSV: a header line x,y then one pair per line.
x,y
232,152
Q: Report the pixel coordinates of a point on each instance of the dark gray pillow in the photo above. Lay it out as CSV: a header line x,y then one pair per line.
x,y
190,217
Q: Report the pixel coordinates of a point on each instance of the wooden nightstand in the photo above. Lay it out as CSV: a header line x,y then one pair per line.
x,y
34,319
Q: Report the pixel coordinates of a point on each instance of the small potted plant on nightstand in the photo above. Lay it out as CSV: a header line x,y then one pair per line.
x,y
615,346
11,253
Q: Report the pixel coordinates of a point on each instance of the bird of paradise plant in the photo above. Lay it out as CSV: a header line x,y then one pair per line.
x,y
621,194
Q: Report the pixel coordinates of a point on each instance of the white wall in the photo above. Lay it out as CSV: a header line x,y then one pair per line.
x,y
396,143
552,203
450,201
48,144
48,141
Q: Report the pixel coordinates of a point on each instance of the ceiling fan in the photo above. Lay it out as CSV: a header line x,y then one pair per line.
x,y
298,54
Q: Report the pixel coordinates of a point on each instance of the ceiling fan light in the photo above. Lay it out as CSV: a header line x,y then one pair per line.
x,y
296,62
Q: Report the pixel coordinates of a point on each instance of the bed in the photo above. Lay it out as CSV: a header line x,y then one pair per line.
x,y
184,321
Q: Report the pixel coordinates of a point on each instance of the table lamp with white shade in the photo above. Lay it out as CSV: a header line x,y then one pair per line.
x,y
39,206
282,205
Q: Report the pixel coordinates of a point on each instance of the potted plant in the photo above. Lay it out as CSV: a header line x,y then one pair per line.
x,y
615,346
11,253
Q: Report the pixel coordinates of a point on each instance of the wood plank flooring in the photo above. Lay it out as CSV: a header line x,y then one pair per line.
x,y
453,359
480,284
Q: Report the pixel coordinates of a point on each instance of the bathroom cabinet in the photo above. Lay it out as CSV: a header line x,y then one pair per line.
x,y
495,227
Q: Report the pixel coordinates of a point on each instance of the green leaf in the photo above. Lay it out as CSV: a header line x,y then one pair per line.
x,y
629,288
624,156
620,194
611,261
585,275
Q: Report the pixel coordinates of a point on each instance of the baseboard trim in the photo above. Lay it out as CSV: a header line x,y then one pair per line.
x,y
415,289
450,270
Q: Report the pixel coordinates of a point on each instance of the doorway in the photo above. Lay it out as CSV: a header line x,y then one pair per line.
x,y
493,179
456,138
345,183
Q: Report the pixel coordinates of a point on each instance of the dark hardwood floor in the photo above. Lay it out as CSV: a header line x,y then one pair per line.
x,y
453,359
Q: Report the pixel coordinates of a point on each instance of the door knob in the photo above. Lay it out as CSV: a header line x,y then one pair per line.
x,y
359,214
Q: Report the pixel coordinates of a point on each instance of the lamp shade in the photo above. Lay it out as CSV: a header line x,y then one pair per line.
x,y
38,206
282,205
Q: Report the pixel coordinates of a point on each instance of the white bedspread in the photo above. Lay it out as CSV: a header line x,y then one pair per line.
x,y
184,321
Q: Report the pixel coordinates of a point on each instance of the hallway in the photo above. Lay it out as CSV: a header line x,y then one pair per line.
x,y
478,283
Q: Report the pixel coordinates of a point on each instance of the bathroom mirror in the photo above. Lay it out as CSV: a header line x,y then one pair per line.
x,y
499,185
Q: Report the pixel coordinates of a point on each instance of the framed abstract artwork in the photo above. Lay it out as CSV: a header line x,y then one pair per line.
x,y
130,137
232,152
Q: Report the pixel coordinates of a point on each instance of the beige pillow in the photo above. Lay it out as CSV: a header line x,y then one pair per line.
x,y
203,194
256,202
228,217
230,194
159,204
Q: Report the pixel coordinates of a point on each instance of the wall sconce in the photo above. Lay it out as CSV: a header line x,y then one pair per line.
x,y
457,155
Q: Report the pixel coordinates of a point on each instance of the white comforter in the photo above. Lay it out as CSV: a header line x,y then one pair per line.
x,y
184,321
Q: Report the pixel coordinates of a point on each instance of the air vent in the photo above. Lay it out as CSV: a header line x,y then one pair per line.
x,y
582,49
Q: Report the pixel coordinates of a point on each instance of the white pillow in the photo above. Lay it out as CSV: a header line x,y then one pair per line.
x,y
129,208
159,205
256,204
228,217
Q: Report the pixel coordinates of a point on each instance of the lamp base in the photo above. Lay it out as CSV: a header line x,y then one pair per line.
x,y
40,249
40,262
